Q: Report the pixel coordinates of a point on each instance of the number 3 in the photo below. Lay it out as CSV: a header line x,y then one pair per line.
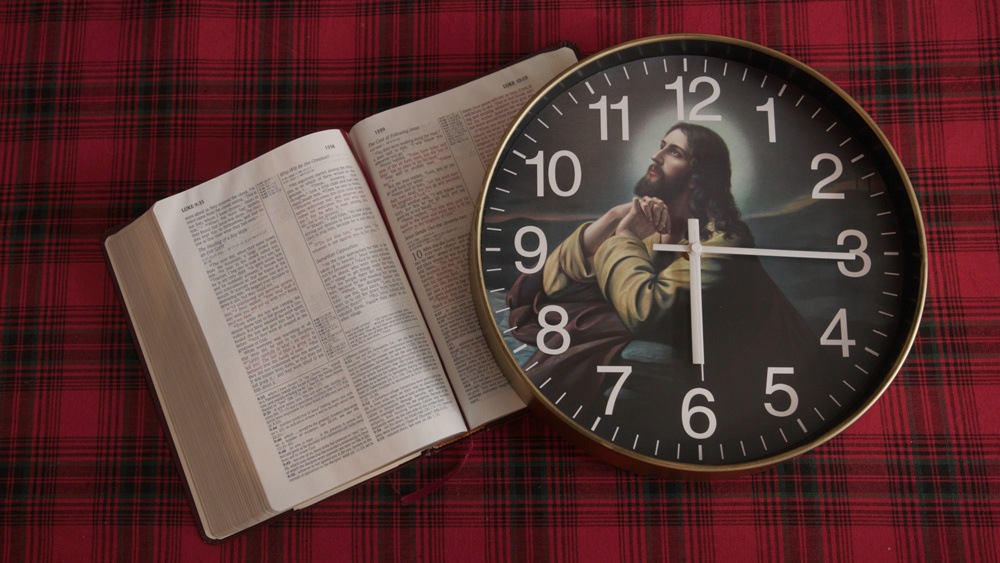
x,y
866,261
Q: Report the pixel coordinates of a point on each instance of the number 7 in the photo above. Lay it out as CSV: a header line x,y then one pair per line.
x,y
625,371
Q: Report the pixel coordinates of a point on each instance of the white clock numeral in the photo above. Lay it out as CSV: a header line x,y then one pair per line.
x,y
540,251
838,169
539,162
859,252
678,86
687,411
625,371
839,322
602,106
558,328
696,115
714,87
768,108
772,387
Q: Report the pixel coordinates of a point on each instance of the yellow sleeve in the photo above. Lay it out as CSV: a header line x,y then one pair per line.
x,y
643,296
567,267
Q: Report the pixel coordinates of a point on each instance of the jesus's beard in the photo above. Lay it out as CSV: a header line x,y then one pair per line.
x,y
662,187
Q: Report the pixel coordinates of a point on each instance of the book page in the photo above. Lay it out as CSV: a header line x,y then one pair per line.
x,y
189,392
427,160
305,306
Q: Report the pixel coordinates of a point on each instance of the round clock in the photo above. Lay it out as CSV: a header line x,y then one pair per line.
x,y
697,257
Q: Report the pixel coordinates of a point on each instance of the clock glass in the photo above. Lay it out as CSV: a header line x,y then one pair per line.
x,y
697,256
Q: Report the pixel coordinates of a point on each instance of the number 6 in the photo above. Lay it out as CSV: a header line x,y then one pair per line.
x,y
687,411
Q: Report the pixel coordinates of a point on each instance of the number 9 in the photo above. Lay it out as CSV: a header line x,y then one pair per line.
x,y
540,251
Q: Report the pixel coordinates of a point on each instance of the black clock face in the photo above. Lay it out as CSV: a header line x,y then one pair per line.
x,y
695,254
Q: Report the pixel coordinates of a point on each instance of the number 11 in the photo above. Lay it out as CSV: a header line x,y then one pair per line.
x,y
602,106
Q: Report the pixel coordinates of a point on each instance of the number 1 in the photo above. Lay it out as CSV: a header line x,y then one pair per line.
x,y
768,108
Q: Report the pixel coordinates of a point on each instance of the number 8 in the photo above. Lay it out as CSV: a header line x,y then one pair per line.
x,y
558,328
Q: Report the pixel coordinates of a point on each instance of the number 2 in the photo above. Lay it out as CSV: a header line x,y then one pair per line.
x,y
838,169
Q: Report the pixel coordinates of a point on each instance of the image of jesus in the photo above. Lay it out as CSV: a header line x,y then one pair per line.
x,y
617,290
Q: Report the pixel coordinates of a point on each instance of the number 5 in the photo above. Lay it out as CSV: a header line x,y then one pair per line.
x,y
772,387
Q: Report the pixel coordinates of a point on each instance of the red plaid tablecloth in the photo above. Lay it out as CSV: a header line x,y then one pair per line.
x,y
107,106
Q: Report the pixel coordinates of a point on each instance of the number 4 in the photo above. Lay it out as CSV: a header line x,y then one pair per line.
x,y
839,323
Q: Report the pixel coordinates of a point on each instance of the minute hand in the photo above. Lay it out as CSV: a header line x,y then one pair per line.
x,y
841,256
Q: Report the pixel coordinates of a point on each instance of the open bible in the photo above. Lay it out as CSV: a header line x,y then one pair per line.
x,y
305,319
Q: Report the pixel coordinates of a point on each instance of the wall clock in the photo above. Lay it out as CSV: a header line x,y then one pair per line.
x,y
697,257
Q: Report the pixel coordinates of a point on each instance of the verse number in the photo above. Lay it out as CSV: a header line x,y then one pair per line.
x,y
771,387
696,112
602,106
538,161
539,251
688,412
558,328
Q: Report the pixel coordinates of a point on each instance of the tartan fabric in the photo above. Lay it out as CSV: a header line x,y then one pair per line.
x,y
108,106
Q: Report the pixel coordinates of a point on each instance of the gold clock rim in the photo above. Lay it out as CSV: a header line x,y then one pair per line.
x,y
541,406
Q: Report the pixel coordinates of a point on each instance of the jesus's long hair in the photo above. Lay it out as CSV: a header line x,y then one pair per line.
x,y
711,172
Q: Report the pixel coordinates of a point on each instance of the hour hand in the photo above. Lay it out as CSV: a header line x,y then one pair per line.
x,y
697,323
694,250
